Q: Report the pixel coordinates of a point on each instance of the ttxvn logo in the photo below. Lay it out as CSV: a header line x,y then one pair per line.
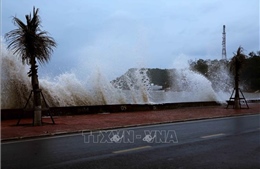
x,y
130,136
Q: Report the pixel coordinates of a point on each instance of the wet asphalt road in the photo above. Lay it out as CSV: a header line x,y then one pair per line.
x,y
232,142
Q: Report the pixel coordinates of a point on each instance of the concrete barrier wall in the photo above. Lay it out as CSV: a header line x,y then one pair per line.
x,y
79,110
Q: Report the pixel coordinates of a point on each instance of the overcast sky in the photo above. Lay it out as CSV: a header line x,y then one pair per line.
x,y
115,35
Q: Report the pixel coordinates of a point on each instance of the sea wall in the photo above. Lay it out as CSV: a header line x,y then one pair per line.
x,y
80,110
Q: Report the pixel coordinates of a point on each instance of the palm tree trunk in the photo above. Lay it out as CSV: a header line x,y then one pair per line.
x,y
237,100
37,121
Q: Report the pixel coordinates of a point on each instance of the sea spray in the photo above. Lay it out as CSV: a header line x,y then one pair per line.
x,y
191,86
221,78
102,90
15,84
134,87
66,89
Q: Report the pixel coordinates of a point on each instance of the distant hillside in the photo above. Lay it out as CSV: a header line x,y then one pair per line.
x,y
134,77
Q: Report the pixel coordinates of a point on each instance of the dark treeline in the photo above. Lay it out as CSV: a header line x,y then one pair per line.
x,y
249,75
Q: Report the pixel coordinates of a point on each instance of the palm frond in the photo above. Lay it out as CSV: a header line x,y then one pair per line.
x,y
237,60
29,41
19,23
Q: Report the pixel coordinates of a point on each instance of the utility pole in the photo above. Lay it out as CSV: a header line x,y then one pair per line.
x,y
224,52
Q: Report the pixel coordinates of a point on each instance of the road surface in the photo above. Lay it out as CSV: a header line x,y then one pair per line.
x,y
232,142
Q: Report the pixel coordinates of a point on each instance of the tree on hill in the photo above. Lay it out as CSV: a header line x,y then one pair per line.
x,y
250,74
31,44
160,77
200,66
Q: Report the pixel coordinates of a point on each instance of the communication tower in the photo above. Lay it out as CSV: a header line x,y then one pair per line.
x,y
224,52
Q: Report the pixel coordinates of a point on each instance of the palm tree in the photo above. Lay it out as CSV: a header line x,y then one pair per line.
x,y
31,44
236,65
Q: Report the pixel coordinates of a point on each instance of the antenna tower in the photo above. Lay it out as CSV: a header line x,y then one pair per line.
x,y
224,52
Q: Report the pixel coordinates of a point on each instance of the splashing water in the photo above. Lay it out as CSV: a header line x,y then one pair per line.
x,y
67,90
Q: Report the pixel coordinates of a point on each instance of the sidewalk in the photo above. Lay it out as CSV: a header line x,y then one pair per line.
x,y
91,122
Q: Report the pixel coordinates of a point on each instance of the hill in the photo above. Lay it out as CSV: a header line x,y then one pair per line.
x,y
158,79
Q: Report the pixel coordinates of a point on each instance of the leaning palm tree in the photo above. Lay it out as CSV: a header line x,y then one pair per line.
x,y
31,44
236,65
